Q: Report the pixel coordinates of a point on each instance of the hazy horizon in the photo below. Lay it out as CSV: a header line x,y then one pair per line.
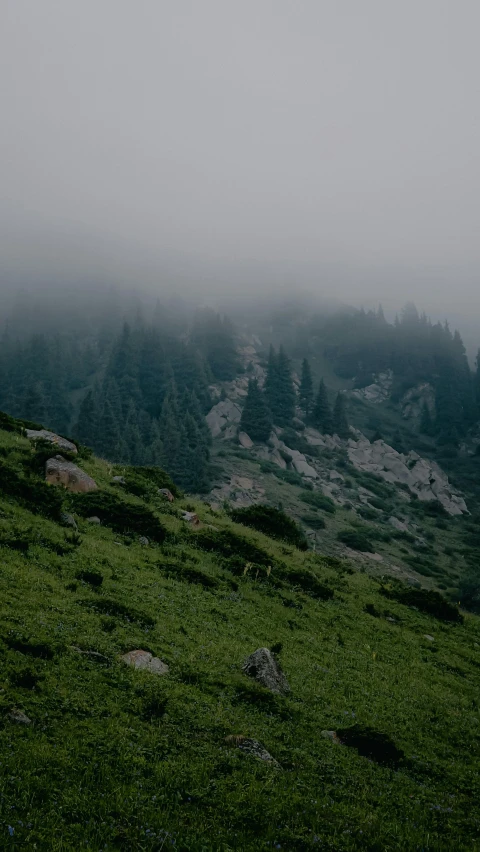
x,y
245,149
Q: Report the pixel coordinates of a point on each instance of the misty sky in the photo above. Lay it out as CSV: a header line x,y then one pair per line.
x,y
331,145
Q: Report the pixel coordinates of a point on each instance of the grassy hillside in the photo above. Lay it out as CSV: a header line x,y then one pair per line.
x,y
121,759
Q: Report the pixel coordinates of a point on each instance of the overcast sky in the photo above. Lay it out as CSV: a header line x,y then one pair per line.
x,y
323,144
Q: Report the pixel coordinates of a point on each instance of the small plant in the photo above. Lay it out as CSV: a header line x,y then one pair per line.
x,y
319,501
272,522
356,540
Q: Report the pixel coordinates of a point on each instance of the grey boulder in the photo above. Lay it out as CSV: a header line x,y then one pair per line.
x,y
263,667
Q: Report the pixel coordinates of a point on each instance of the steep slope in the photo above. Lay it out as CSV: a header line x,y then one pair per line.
x,y
374,745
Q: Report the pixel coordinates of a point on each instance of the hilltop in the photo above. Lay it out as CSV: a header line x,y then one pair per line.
x,y
373,742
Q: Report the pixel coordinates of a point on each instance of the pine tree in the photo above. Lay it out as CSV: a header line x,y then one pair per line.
x,y
340,422
279,389
426,422
322,415
35,405
256,420
306,389
86,429
476,384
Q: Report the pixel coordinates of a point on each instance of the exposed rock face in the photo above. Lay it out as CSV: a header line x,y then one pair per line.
x,y
241,491
377,392
397,524
52,438
145,660
414,400
223,414
61,472
424,478
264,668
256,749
245,440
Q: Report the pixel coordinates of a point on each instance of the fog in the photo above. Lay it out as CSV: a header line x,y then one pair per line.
x,y
238,148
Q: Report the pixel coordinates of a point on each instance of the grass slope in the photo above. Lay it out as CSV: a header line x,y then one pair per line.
x,y
120,759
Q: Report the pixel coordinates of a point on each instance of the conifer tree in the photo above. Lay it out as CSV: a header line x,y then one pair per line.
x,y
322,415
86,428
306,389
279,390
426,422
340,422
256,420
35,405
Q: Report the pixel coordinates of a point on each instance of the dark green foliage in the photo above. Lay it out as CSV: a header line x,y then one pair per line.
x,y
371,744
93,578
215,337
319,501
356,540
469,590
340,422
321,417
308,582
229,544
273,522
120,515
256,420
35,495
119,610
305,394
426,600
189,574
315,522
279,390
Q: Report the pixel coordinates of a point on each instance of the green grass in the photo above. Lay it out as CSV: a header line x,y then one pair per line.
x,y
119,759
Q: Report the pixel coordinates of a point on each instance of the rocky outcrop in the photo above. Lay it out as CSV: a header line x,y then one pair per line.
x,y
245,441
58,471
265,669
52,438
144,660
423,477
378,391
225,413
414,401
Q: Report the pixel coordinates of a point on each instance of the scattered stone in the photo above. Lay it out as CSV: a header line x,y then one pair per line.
x,y
191,518
253,748
68,520
428,637
143,540
167,494
332,735
397,524
58,471
51,438
335,476
245,441
94,519
119,480
265,669
145,660
304,468
19,717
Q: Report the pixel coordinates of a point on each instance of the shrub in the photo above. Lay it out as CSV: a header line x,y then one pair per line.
x,y
119,610
315,522
426,600
141,480
319,501
308,582
34,494
119,515
356,540
272,522
231,545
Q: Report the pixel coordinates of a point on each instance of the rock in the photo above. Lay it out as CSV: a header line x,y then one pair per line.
x,y
245,441
333,736
428,637
167,494
277,459
397,524
94,519
68,520
143,540
254,749
191,518
264,668
335,476
65,473
304,468
19,717
298,424
119,480
221,415
414,401
377,392
52,438
415,583
146,661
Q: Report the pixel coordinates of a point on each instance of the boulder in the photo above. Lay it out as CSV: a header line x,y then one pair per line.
x,y
51,438
254,749
278,459
245,441
304,468
265,669
191,518
222,414
65,473
19,717
397,524
68,520
118,480
143,540
144,660
335,476
167,494
94,519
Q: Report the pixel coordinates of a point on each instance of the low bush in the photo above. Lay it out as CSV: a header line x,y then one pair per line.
x,y
309,583
426,600
319,501
356,540
229,544
107,606
139,480
315,522
32,493
272,522
120,515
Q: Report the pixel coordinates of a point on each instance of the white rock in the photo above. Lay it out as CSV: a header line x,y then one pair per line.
x,y
245,441
144,660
